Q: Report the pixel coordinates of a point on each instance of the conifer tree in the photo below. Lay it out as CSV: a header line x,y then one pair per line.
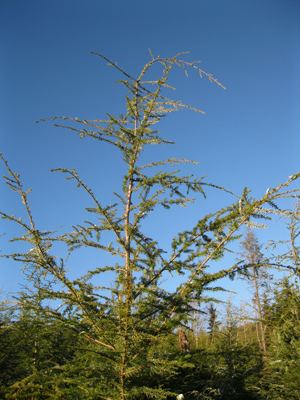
x,y
123,326
213,323
231,364
257,276
281,377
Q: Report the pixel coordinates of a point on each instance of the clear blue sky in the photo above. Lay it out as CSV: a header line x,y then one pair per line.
x,y
249,135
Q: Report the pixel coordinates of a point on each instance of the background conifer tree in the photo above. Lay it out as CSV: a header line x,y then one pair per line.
x,y
213,323
257,277
281,380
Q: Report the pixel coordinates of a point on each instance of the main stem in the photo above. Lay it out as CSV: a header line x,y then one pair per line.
x,y
128,273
